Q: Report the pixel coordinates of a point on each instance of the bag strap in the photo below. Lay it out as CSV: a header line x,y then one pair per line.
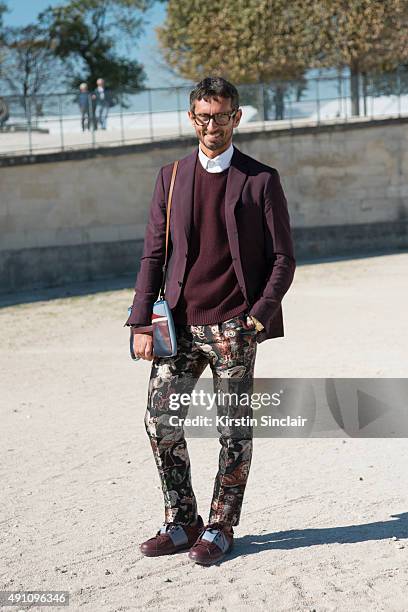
x,y
168,208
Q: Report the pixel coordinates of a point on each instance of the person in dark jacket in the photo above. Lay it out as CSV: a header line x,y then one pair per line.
x,y
85,104
103,102
231,263
4,112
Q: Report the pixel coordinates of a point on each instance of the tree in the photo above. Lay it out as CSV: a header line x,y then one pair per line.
x,y
4,110
262,40
3,9
246,41
85,34
370,37
29,66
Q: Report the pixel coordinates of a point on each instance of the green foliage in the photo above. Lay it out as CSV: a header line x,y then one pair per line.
x,y
84,34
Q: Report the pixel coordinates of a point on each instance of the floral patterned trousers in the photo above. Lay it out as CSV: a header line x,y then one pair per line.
x,y
230,350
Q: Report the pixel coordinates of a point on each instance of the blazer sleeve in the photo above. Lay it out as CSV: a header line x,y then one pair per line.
x,y
150,274
278,241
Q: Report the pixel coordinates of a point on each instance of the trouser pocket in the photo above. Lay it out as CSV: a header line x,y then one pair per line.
x,y
241,323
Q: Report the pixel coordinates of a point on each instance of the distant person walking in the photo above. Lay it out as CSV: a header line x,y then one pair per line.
x,y
4,112
85,107
104,101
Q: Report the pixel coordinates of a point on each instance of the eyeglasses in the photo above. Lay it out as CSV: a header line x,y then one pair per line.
x,y
219,118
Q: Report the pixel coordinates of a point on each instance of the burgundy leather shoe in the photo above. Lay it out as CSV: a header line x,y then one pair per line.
x,y
212,545
172,538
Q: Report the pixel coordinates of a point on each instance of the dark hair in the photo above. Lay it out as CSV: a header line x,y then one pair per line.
x,y
214,87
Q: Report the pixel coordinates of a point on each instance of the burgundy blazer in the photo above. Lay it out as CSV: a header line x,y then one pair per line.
x,y
258,231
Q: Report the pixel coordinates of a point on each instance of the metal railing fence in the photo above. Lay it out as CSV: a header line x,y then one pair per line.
x,y
56,122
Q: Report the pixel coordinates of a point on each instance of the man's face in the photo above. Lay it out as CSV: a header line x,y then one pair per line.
x,y
212,136
100,82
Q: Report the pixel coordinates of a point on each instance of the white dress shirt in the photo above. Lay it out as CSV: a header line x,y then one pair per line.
x,y
217,164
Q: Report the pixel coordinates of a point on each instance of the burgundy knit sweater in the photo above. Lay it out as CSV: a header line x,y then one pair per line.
x,y
210,292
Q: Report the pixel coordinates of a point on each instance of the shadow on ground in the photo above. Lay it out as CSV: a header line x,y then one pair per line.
x,y
300,538
68,291
128,281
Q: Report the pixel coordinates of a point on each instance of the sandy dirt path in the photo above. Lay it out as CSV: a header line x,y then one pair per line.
x,y
325,521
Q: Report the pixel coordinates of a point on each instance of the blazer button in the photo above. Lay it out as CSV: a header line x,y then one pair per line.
x,y
180,283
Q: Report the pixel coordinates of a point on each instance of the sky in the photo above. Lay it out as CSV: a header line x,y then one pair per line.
x,y
23,12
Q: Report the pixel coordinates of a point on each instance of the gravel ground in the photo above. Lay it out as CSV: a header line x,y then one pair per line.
x,y
325,520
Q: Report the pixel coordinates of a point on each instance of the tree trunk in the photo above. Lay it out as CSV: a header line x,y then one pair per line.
x,y
266,103
365,90
279,101
355,88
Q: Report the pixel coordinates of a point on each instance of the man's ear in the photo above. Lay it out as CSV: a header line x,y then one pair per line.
x,y
237,117
190,116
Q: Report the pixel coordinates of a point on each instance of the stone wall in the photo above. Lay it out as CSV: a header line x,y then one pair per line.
x,y
81,215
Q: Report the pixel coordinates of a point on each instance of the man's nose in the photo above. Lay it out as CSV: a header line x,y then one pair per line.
x,y
212,125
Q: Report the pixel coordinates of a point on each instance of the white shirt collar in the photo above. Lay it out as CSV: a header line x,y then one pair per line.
x,y
217,164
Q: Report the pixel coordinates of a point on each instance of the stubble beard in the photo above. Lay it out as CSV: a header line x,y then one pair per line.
x,y
217,143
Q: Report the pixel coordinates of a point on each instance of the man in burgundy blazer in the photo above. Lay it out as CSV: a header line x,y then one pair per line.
x,y
231,261
258,233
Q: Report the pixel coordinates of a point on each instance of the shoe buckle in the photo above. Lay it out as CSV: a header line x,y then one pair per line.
x,y
216,536
176,532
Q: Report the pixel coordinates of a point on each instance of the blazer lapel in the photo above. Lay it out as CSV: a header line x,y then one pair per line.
x,y
237,176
